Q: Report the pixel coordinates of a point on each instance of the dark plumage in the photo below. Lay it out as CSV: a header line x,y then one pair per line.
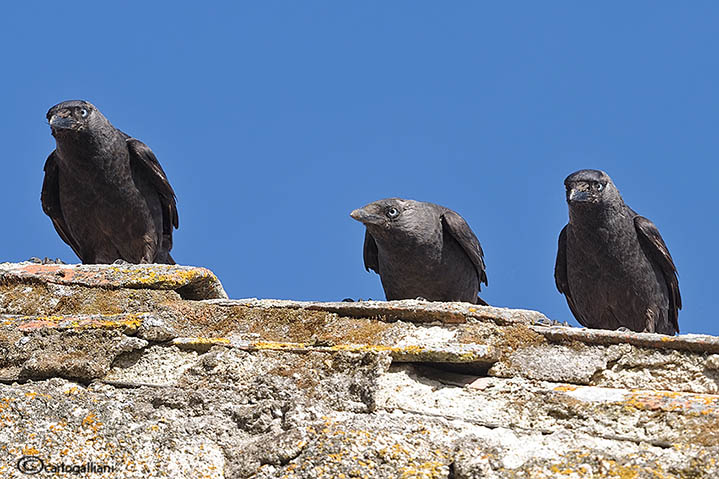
x,y
422,250
612,264
106,193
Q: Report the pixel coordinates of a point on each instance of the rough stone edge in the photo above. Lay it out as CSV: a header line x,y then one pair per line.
x,y
457,313
127,322
191,282
412,310
696,343
447,353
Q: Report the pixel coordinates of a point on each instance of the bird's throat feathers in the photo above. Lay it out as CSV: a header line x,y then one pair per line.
x,y
604,218
408,241
86,149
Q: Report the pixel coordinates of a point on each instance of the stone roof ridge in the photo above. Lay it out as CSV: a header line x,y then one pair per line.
x,y
152,370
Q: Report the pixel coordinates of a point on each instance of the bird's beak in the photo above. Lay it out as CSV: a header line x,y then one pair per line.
x,y
58,122
577,195
364,216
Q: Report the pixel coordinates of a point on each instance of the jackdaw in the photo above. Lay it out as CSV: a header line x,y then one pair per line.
x,y
612,264
422,250
106,193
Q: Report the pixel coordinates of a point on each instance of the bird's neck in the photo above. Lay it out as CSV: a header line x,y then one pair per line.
x,y
94,160
598,227
89,150
596,215
425,244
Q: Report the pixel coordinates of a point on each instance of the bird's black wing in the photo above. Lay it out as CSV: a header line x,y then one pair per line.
x,y
460,231
50,199
560,266
560,275
658,253
371,261
142,157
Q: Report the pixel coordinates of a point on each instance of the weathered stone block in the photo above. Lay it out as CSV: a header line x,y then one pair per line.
x,y
151,371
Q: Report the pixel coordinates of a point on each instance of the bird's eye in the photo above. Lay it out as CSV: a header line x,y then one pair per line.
x,y
83,113
392,212
599,186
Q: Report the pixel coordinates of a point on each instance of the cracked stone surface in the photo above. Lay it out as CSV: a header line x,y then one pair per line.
x,y
150,371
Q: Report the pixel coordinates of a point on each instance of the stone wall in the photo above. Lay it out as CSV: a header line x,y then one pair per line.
x,y
150,371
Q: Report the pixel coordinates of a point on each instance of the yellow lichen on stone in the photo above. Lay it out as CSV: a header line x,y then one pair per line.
x,y
30,451
173,278
202,341
126,321
424,470
673,401
519,336
276,345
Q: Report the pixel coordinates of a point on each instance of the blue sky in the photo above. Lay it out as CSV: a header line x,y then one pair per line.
x,y
274,119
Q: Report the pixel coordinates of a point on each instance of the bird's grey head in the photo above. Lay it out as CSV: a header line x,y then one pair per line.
x,y
586,188
73,117
397,218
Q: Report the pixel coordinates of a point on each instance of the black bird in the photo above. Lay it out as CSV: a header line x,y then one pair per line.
x,y
106,193
612,264
422,250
